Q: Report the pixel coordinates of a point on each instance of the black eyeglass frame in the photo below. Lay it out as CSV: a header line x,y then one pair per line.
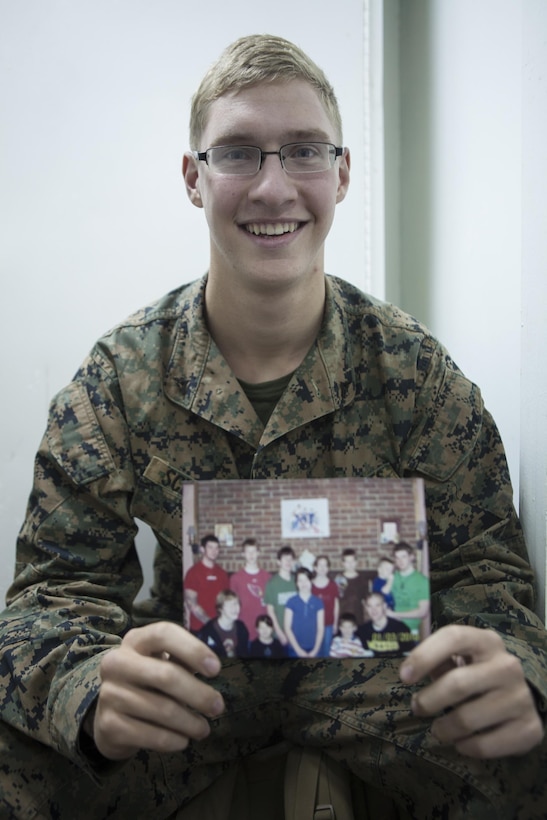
x,y
338,152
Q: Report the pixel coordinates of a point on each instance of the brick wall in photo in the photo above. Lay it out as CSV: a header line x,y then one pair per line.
x,y
357,508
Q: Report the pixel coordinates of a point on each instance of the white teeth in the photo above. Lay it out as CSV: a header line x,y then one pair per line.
x,y
272,230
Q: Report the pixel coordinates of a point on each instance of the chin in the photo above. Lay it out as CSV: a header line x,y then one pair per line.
x,y
283,276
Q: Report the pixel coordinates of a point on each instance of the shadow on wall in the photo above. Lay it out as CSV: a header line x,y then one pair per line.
x,y
417,160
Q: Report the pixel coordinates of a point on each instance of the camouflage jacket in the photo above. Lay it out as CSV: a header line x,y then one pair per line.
x,y
155,403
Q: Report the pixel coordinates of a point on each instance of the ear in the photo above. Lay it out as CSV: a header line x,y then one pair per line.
x,y
343,175
190,173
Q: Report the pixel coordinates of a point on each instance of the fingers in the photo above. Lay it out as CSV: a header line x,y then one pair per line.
x,y
438,651
125,669
488,707
460,683
174,678
512,738
492,725
130,719
179,644
150,696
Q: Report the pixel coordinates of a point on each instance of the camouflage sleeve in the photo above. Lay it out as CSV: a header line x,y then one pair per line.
x,y
480,572
77,570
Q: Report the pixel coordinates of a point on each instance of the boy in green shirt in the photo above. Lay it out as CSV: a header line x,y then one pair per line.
x,y
410,590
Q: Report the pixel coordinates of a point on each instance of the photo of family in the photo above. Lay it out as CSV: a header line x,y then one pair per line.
x,y
343,592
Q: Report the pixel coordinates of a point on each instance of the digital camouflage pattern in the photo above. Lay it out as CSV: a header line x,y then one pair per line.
x,y
155,404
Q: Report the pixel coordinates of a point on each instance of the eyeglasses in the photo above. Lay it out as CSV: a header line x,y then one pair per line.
x,y
246,160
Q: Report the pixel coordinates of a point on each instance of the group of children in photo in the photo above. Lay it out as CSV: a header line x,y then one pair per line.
x,y
306,611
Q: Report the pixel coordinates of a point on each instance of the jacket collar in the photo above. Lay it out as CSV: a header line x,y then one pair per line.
x,y
199,379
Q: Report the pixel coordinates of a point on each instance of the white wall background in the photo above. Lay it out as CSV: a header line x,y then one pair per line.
x,y
533,476
94,104
466,121
461,189
94,99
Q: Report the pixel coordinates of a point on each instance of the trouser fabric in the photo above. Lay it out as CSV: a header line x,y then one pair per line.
x,y
356,712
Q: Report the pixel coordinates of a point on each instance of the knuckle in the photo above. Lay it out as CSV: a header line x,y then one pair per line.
x,y
464,723
510,667
207,700
492,637
176,742
496,638
476,746
169,740
131,638
538,732
106,692
161,630
108,665
532,737
164,674
197,697
168,712
459,684
109,724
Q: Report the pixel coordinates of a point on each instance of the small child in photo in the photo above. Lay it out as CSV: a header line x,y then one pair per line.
x,y
346,644
266,645
384,580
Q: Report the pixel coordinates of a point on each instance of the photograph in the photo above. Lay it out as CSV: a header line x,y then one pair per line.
x,y
308,571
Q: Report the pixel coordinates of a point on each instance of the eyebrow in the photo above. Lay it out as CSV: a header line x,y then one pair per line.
x,y
247,138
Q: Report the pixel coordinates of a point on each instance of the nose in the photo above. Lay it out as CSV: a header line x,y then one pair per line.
x,y
272,184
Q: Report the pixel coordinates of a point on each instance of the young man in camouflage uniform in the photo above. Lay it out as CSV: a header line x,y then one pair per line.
x,y
96,723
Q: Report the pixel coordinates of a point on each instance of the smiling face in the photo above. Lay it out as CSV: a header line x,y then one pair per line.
x,y
231,609
376,608
322,567
385,570
347,629
268,228
349,562
210,552
265,632
404,561
303,583
286,562
250,554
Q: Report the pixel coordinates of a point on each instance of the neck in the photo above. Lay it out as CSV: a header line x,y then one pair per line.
x,y
264,335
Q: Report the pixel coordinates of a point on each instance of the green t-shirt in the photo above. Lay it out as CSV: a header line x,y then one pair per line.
x,y
278,592
265,395
408,591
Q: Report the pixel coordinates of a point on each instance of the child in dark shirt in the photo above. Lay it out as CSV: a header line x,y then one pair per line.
x,y
266,645
226,634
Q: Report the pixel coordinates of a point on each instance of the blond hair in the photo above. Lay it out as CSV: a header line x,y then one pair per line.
x,y
223,596
259,58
